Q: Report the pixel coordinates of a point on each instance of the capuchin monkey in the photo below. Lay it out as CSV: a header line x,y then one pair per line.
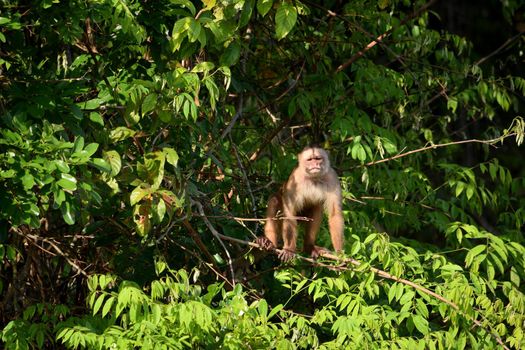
x,y
313,187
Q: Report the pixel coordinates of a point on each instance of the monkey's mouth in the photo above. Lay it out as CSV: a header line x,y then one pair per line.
x,y
315,170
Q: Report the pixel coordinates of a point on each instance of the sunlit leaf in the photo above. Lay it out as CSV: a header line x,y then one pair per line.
x,y
68,213
121,133
263,6
113,159
138,193
285,19
67,182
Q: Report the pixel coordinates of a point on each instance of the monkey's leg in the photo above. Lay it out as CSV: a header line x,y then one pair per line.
x,y
312,229
289,235
272,227
336,225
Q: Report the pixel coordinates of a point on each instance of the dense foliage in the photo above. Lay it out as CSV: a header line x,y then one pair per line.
x,y
139,140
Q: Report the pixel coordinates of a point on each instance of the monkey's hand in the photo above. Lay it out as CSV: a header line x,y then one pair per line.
x,y
265,243
317,251
286,255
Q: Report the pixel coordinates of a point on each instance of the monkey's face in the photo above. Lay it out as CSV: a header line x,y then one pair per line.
x,y
314,161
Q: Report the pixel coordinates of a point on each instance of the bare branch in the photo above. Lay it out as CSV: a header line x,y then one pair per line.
x,y
426,148
55,247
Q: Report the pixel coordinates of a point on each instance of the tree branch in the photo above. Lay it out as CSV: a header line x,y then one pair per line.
x,y
354,264
382,36
426,148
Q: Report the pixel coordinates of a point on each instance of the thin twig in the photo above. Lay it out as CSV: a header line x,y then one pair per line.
x,y
55,247
294,83
269,137
255,155
238,218
235,117
218,236
382,36
210,266
401,155
197,239
499,49
246,181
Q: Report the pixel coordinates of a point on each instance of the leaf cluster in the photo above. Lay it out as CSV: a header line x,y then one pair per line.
x,y
136,135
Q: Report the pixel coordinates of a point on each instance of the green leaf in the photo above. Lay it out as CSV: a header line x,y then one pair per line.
x,y
358,152
121,133
59,196
7,174
165,116
77,113
246,12
460,186
179,32
451,267
68,213
62,166
149,103
96,118
67,182
138,193
28,181
98,303
11,254
186,3
91,104
101,164
473,253
78,146
161,210
171,156
421,324
203,67
186,109
90,150
209,4
231,55
263,6
422,307
275,310
470,191
113,159
285,19
392,292
194,30
108,305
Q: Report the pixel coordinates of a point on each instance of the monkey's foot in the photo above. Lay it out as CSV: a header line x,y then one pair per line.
x,y
265,243
286,255
317,251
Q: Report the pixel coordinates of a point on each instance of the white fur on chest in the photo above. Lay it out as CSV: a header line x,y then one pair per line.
x,y
312,194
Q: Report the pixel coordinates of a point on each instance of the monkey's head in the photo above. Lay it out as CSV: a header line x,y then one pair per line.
x,y
314,161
